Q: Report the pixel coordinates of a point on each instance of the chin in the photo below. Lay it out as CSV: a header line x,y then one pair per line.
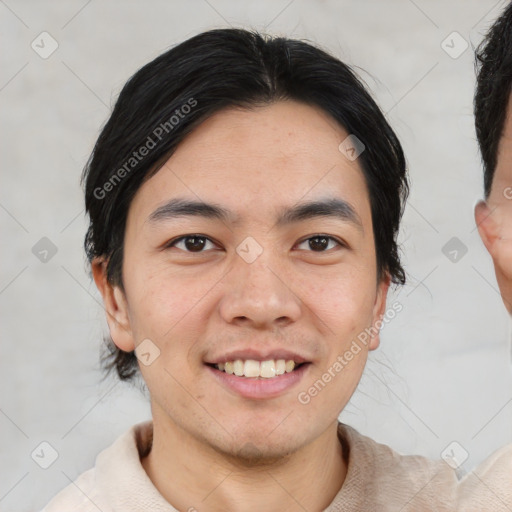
x,y
254,454
251,445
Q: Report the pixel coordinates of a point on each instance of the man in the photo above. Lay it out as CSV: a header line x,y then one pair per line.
x,y
493,121
489,487
244,200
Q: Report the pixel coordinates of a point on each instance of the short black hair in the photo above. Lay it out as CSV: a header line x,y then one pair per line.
x,y
493,87
170,96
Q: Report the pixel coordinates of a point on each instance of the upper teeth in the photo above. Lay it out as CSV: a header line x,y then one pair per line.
x,y
252,368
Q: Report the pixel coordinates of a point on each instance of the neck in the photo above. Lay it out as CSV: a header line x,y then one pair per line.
x,y
191,475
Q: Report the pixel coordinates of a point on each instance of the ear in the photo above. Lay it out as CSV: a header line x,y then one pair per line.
x,y
116,307
379,309
488,227
492,228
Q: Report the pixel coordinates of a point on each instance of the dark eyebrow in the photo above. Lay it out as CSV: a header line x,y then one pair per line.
x,y
331,207
179,207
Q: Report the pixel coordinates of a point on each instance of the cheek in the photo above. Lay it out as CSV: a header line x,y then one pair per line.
x,y
503,258
164,300
343,300
502,252
170,311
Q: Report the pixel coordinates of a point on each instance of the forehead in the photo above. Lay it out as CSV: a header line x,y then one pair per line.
x,y
255,161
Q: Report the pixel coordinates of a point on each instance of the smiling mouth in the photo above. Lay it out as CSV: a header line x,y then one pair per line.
x,y
250,368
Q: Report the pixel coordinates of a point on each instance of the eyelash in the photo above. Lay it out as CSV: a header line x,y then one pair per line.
x,y
172,243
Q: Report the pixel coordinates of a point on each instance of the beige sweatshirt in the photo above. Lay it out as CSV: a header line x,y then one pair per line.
x,y
378,480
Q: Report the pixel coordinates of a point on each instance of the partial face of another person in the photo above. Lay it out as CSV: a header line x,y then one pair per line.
x,y
256,276
494,217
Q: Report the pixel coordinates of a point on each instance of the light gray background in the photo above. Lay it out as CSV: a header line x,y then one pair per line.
x,y
443,371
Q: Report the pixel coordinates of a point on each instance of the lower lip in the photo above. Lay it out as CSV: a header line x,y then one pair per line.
x,y
259,387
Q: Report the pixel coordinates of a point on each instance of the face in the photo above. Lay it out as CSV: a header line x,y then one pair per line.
x,y
494,217
256,277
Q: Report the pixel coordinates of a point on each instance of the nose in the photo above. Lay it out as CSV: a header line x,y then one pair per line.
x,y
260,295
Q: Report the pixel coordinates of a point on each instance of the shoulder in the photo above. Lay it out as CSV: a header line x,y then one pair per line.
x,y
391,481
97,488
489,485
386,460
80,496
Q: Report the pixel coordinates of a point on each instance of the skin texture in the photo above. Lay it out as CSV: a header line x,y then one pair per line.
x,y
494,216
213,449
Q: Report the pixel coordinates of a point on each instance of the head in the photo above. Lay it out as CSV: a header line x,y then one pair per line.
x,y
231,220
493,120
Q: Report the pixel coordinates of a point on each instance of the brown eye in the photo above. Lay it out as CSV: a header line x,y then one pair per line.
x,y
320,243
191,243
195,243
